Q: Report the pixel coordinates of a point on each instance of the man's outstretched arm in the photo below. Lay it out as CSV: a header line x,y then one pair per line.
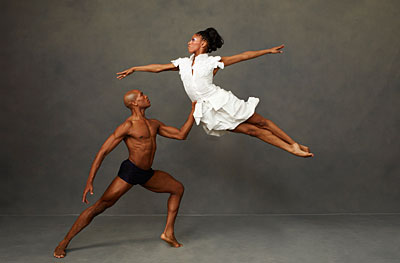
x,y
112,141
175,133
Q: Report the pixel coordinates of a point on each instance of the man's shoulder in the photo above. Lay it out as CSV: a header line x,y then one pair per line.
x,y
155,121
126,125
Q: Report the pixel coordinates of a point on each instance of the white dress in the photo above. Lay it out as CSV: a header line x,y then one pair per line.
x,y
217,110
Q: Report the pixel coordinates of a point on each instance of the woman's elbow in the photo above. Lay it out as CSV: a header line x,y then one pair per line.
x,y
245,56
158,69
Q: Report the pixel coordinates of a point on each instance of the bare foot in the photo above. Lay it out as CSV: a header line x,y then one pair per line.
x,y
59,252
296,150
171,240
304,148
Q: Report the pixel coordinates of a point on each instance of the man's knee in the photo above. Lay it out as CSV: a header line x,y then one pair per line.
x,y
179,189
102,205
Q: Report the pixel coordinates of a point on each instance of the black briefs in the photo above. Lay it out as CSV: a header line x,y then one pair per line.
x,y
132,174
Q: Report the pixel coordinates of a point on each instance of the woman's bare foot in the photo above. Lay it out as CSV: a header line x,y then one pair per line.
x,y
296,150
304,148
171,240
59,252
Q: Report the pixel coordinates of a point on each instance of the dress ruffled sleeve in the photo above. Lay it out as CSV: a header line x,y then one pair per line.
x,y
176,62
216,62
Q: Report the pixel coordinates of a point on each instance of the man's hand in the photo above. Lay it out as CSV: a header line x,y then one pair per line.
x,y
88,188
194,105
125,73
276,50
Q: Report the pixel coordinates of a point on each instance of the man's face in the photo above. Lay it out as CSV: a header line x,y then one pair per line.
x,y
143,101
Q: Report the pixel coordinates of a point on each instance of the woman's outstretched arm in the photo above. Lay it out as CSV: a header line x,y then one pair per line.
x,y
155,68
250,54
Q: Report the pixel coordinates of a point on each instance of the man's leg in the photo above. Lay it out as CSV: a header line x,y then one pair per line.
x,y
162,182
269,137
115,190
264,123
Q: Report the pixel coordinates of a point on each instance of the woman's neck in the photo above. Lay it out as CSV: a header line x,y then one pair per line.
x,y
199,52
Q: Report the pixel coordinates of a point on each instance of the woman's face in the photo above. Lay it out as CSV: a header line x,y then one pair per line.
x,y
196,43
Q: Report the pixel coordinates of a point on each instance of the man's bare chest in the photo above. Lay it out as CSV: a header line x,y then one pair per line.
x,y
143,129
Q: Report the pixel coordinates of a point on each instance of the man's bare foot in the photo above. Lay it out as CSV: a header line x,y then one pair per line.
x,y
304,148
171,240
296,150
59,252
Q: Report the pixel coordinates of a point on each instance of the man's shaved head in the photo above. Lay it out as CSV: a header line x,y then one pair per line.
x,y
130,97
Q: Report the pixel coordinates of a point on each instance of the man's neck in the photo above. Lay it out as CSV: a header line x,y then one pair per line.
x,y
138,113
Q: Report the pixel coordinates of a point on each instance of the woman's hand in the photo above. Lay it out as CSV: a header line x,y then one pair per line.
x,y
125,73
276,50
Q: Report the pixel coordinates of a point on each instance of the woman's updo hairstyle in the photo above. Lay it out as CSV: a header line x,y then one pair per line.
x,y
212,37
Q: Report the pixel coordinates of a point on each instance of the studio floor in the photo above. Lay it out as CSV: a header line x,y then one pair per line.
x,y
229,238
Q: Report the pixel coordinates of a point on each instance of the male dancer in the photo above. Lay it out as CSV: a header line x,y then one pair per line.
x,y
139,135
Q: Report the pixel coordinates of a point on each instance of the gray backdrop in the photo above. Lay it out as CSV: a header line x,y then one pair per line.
x,y
335,88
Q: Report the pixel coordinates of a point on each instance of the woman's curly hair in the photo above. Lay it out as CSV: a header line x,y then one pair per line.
x,y
214,40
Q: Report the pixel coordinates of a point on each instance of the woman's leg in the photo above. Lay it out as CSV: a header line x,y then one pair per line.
x,y
261,122
267,136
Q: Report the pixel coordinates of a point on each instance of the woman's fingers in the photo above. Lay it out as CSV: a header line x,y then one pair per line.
x,y
121,75
277,49
122,72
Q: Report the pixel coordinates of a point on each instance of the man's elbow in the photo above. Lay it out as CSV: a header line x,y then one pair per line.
x,y
182,137
103,153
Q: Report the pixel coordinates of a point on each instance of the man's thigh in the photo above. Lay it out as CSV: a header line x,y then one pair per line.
x,y
115,190
162,182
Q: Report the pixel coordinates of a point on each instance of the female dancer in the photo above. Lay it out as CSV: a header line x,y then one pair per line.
x,y
219,110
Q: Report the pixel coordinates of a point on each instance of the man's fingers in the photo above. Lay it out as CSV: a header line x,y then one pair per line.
x,y
84,195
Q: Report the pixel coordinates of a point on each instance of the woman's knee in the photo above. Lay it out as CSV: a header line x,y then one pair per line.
x,y
252,131
263,123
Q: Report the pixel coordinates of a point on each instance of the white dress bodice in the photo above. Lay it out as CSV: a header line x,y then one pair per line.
x,y
217,109
197,77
